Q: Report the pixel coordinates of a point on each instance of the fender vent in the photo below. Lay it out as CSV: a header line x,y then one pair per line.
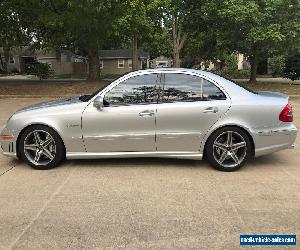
x,y
11,147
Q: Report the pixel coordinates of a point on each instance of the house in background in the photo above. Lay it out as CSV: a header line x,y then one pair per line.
x,y
242,63
161,62
16,56
62,62
119,61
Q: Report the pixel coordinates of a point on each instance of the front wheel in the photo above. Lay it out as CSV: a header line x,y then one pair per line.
x,y
228,149
41,147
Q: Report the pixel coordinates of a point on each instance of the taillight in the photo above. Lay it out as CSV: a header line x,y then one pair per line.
x,y
286,114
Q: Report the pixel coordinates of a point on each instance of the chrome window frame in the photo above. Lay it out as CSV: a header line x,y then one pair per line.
x,y
157,71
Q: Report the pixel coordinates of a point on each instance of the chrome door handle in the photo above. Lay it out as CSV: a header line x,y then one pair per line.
x,y
211,110
146,113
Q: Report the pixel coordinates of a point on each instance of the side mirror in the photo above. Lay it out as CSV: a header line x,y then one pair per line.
x,y
98,102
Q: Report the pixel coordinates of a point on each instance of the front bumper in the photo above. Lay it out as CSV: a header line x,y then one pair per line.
x,y
8,146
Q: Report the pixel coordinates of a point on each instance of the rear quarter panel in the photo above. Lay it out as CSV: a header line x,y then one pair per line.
x,y
259,116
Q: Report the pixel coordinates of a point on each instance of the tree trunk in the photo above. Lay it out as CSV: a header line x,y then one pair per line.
x,y
176,58
254,64
135,56
6,58
178,40
1,62
94,64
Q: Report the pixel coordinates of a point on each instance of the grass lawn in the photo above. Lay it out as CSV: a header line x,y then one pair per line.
x,y
50,88
85,87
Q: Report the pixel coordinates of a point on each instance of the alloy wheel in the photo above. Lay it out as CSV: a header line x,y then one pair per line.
x,y
39,147
229,149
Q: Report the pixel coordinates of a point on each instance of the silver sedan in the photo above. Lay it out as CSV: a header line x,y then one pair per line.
x,y
174,113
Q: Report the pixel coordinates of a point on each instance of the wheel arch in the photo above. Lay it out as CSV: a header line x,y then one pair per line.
x,y
37,124
236,126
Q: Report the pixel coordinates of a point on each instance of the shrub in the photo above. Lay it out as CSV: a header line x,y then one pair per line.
x,y
42,70
14,71
292,68
231,63
277,65
2,71
236,74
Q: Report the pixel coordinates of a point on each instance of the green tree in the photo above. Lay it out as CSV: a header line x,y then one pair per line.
x,y
138,24
15,28
79,24
175,19
256,28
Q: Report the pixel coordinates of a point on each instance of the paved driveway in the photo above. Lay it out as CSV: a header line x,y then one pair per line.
x,y
146,203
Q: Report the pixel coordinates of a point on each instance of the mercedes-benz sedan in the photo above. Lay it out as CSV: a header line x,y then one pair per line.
x,y
175,113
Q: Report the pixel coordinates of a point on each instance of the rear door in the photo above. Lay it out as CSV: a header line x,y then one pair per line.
x,y
188,107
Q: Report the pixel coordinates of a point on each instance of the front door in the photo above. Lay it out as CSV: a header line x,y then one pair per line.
x,y
189,106
127,121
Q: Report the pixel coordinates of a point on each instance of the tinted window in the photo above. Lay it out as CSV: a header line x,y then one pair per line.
x,y
212,92
135,90
188,88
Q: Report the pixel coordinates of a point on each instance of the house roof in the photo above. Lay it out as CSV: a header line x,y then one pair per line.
x,y
121,53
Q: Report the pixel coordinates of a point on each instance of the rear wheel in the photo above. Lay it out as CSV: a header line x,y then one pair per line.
x,y
41,147
228,149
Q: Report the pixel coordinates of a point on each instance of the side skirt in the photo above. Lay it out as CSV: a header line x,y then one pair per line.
x,y
177,155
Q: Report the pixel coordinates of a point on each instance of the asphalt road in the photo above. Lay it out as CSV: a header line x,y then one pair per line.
x,y
146,203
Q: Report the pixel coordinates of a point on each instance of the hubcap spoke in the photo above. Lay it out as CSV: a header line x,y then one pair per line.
x,y
48,154
31,147
47,142
37,157
223,156
238,145
229,138
37,137
220,145
234,157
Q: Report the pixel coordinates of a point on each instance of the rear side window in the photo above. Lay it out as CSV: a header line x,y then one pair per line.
x,y
211,91
187,88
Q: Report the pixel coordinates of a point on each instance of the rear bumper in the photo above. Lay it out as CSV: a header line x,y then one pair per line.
x,y
267,142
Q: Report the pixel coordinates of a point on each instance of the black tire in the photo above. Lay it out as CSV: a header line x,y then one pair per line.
x,y
56,143
216,149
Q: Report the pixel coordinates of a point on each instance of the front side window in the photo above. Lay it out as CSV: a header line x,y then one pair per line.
x,y
188,88
135,90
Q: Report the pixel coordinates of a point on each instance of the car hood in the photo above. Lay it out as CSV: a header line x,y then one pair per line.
x,y
54,103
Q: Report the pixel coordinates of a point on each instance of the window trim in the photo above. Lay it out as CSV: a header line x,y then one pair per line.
x,y
119,67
